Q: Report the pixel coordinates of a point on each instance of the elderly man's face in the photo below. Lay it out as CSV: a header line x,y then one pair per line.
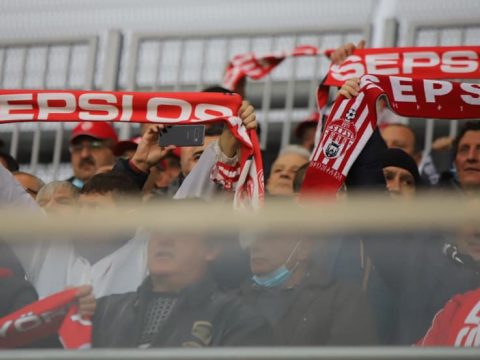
x,y
59,201
283,172
189,155
182,260
269,253
88,155
467,160
399,137
400,182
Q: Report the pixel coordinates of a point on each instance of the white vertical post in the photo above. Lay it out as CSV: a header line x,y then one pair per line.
x,y
289,101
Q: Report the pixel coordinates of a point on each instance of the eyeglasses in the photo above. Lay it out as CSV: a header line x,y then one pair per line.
x,y
90,145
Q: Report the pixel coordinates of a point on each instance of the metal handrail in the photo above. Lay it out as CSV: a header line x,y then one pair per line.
x,y
273,353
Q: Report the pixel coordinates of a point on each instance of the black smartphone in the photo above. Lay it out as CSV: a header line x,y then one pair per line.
x,y
182,135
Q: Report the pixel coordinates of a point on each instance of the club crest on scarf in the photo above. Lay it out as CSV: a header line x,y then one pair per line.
x,y
340,135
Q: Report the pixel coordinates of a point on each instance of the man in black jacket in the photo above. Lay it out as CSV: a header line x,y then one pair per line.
x,y
304,305
178,304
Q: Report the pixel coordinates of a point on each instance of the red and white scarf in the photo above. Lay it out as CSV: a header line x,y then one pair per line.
x,y
160,108
457,324
345,139
441,62
352,121
256,67
54,314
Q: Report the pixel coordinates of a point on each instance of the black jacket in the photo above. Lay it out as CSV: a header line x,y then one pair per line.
x,y
202,316
322,312
420,277
15,291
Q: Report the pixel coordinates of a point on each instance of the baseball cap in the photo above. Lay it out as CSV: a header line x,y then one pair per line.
x,y
97,129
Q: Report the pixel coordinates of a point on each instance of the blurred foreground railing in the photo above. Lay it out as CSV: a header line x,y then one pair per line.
x,y
293,353
369,212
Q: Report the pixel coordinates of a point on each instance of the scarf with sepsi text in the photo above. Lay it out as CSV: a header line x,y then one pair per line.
x,y
352,121
159,108
56,314
439,62
432,62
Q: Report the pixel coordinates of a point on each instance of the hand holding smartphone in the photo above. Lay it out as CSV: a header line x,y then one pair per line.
x,y
182,135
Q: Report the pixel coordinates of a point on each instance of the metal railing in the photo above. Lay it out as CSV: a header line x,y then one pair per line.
x,y
59,63
188,62
291,353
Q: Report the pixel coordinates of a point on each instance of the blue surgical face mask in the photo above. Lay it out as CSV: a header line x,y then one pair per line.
x,y
278,276
78,183
275,278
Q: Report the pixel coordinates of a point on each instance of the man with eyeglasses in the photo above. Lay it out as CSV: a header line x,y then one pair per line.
x,y
91,147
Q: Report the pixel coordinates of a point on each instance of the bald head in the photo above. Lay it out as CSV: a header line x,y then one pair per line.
x,y
58,196
401,137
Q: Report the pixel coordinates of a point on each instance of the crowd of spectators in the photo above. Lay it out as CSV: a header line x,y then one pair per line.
x,y
145,289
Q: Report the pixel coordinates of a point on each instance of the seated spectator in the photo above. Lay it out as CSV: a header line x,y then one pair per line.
x,y
58,197
8,161
113,265
466,154
30,183
284,168
302,302
178,304
401,173
91,147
